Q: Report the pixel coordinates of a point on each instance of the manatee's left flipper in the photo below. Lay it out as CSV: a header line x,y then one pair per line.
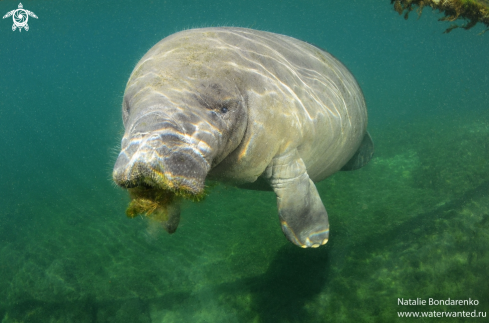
x,y
173,213
302,214
363,154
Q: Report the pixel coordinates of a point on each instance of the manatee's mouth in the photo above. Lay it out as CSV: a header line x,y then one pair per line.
x,y
158,198
150,202
158,176
161,162
177,174
156,204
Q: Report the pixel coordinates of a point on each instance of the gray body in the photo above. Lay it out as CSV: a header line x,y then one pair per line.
x,y
244,107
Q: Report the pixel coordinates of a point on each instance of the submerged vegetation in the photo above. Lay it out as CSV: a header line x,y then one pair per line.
x,y
156,203
150,202
473,11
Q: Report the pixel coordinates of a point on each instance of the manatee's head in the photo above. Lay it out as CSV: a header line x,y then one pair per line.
x,y
184,111
172,143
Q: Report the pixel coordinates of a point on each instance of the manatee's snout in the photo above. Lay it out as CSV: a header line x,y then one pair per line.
x,y
161,159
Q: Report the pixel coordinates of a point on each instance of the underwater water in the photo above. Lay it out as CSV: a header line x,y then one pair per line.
x,y
414,223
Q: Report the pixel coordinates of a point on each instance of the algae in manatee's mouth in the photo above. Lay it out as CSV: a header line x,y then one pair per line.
x,y
155,202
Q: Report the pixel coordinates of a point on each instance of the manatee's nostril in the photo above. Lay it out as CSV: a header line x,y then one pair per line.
x,y
121,178
154,141
127,174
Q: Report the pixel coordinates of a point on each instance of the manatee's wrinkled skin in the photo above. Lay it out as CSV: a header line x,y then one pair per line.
x,y
246,107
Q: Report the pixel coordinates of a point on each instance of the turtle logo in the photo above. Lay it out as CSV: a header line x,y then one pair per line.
x,y
20,17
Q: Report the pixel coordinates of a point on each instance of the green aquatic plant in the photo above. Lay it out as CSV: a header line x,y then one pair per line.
x,y
472,10
150,202
154,202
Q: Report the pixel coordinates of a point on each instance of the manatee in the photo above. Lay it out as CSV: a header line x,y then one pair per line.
x,y
248,108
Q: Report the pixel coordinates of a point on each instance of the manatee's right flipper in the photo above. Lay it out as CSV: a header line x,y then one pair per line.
x,y
363,154
302,214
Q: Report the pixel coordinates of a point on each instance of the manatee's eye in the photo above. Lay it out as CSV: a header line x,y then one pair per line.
x,y
228,105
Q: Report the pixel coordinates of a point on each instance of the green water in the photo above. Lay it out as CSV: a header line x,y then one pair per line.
x,y
414,223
